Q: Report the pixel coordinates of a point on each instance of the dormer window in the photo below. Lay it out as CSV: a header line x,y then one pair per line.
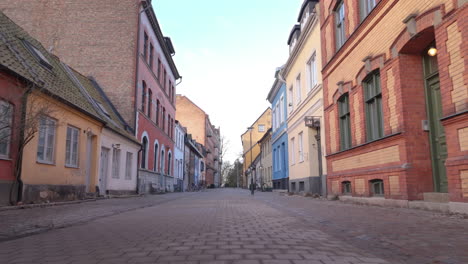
x,y
38,54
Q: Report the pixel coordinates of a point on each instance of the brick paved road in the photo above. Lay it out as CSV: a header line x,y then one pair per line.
x,y
230,226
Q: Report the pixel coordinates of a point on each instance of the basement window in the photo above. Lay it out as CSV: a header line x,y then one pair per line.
x,y
346,187
377,187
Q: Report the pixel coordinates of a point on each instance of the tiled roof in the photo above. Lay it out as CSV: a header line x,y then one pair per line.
x,y
28,59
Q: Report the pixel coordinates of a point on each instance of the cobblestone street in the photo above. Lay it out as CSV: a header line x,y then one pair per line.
x,y
230,226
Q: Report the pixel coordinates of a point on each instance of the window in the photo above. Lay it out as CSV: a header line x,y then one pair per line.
x,y
373,100
365,7
312,72
6,121
151,56
377,187
116,163
281,110
170,90
161,162
145,46
169,125
340,25
144,152
71,149
143,96
274,119
169,162
164,119
159,69
38,54
128,166
301,186
300,146
280,160
278,113
292,151
261,128
298,89
155,163
293,186
46,144
346,187
345,123
164,80
158,105
150,100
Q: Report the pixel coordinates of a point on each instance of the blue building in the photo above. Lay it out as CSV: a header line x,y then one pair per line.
x,y
279,135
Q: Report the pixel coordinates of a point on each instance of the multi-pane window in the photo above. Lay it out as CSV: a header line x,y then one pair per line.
x,y
71,149
159,69
261,128
144,152
128,166
46,144
340,25
293,151
163,118
6,121
298,89
116,163
158,105
155,163
373,100
281,109
151,55
345,122
169,160
377,187
300,147
145,46
161,163
150,101
346,187
312,72
164,80
143,96
365,7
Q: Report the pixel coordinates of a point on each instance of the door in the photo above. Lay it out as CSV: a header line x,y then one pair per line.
x,y
103,171
437,138
89,152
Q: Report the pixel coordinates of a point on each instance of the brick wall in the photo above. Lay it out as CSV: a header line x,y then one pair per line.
x,y
96,38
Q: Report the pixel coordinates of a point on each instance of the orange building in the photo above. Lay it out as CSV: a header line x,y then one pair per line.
x,y
396,100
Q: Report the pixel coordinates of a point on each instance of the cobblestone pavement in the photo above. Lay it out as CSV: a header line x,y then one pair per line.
x,y
230,226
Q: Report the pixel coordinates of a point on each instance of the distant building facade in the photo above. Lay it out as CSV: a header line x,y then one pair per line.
x,y
179,150
265,168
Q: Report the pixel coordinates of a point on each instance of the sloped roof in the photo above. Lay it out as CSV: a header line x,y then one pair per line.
x,y
26,58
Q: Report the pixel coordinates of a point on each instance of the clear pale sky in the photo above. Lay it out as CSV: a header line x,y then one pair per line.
x,y
227,53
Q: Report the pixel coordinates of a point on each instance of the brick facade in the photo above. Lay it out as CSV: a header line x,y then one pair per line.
x,y
391,40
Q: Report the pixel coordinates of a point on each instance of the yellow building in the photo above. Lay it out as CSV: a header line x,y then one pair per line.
x,y
301,72
251,149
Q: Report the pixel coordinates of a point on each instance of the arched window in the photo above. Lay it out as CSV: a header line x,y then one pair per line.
x,y
150,100
156,151
143,96
169,160
161,162
144,153
377,187
158,105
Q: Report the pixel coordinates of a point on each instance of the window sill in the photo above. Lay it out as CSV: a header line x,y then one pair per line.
x,y
6,158
72,167
45,163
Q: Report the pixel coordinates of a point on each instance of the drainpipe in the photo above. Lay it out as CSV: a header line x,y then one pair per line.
x,y
319,150
138,171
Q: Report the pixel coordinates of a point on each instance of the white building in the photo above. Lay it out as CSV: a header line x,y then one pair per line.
x,y
179,148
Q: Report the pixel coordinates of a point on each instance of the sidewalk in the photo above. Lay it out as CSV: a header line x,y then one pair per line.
x,y
23,222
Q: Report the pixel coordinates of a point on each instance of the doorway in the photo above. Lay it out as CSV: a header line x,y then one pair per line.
x,y
103,171
437,140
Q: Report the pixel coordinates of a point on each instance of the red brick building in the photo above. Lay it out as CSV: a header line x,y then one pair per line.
x,y
396,99
121,44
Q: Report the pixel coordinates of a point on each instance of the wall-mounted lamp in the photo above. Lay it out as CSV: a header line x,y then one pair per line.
x,y
432,51
116,146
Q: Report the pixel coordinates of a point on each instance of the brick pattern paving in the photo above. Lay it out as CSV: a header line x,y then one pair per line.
x,y
224,226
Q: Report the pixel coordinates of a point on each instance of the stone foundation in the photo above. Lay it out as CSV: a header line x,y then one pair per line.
x,y
52,193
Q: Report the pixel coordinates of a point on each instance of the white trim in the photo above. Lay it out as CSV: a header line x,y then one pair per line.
x,y
143,135
156,155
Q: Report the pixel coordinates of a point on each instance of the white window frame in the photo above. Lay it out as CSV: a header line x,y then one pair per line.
x,y
298,89
45,131
128,165
281,109
312,72
291,99
116,163
293,151
279,158
72,147
300,146
274,118
162,160
6,122
262,128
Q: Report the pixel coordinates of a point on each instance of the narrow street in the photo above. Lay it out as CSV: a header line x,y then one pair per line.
x,y
230,226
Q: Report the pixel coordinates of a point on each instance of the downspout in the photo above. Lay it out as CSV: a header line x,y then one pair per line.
x,y
319,152
138,171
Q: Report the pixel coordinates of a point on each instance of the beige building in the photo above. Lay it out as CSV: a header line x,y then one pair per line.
x,y
307,167
265,166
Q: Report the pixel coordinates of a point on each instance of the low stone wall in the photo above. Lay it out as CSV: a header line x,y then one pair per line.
x,y
41,193
150,182
5,187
